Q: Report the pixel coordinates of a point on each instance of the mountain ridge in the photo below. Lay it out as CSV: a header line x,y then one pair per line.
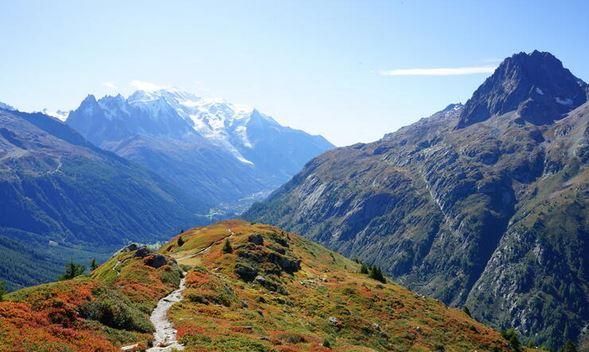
x,y
214,151
64,198
442,204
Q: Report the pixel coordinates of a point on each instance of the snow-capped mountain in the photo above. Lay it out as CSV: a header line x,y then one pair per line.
x,y
208,147
6,107
216,120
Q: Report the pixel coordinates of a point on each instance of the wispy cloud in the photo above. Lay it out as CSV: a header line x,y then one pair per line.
x,y
147,86
110,85
439,71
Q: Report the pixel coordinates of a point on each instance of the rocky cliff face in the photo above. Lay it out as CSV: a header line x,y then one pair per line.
x,y
535,85
482,204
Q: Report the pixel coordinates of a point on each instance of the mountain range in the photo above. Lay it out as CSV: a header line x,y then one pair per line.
x,y
222,155
139,169
63,198
483,205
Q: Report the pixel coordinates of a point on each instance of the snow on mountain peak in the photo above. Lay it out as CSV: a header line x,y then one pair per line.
x,y
6,107
214,119
58,114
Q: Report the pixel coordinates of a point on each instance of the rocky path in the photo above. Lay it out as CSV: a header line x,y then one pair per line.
x,y
165,339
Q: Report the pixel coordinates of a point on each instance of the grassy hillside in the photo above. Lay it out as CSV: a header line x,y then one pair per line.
x,y
101,312
249,287
269,290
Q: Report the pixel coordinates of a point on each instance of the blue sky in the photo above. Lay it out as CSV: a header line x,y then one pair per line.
x,y
321,66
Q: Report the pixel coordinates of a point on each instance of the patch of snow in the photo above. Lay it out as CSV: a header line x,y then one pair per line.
x,y
539,91
58,114
566,101
242,133
6,107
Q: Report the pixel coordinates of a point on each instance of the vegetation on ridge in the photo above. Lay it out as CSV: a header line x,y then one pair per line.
x,y
276,291
273,291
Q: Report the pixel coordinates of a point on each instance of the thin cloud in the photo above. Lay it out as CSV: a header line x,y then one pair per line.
x,y
440,71
147,86
110,85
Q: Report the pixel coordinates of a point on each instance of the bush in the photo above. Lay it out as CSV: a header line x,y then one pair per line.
x,y
171,276
116,313
326,343
291,338
511,336
466,311
180,241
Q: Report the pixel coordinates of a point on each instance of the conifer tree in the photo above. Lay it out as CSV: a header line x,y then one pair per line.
x,y
72,270
3,290
93,265
227,247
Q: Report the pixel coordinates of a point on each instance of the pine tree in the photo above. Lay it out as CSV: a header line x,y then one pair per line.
x,y
569,346
93,265
364,269
376,274
72,270
3,290
227,247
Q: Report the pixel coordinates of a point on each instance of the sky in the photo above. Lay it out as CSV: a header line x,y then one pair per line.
x,y
348,70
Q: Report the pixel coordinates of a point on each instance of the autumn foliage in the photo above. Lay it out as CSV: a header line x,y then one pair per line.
x,y
82,314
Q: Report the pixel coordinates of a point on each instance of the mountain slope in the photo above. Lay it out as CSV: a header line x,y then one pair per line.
x,y
100,312
62,198
273,291
212,150
481,204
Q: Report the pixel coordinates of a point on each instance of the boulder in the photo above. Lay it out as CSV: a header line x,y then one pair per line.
x,y
155,260
256,239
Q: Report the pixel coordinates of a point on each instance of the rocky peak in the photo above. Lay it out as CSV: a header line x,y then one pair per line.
x,y
6,107
535,85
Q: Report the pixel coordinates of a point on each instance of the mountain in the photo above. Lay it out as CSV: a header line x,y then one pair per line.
x,y
215,152
536,86
4,106
247,287
483,205
62,198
